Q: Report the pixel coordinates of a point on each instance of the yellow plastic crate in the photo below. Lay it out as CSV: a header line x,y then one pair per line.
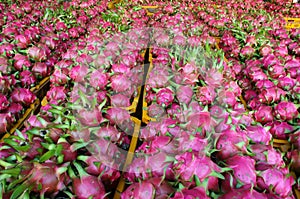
x,y
150,9
292,23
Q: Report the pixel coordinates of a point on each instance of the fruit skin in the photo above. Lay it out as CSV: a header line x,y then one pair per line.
x,y
88,186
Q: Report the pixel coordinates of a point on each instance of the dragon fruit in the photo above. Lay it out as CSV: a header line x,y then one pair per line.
x,y
40,69
286,111
156,111
258,134
44,177
266,156
202,120
4,103
37,54
184,94
120,100
243,194
109,132
90,118
227,98
120,83
78,73
230,143
27,79
276,71
264,114
21,62
158,144
22,41
164,97
154,187
190,165
139,190
277,181
88,186
23,96
57,93
197,192
5,121
205,95
59,76
243,169
95,167
147,166
271,95
286,83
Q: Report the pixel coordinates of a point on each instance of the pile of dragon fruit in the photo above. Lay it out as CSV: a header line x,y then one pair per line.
x,y
221,88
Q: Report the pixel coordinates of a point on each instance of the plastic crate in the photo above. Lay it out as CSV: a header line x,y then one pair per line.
x,y
281,144
42,88
150,9
30,111
145,117
130,155
292,23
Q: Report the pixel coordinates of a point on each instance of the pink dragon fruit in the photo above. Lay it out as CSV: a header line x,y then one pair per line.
x,y
206,95
23,96
243,169
78,73
276,71
280,129
156,111
120,83
109,132
187,142
164,97
40,69
95,167
227,98
21,62
190,165
37,54
286,83
4,103
258,134
59,76
184,94
230,143
57,93
266,156
88,186
264,114
271,95
27,79
147,166
243,194
277,181
158,144
159,189
265,50
22,41
197,192
190,74
200,122
5,121
247,51
90,118
286,111
120,100
139,190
